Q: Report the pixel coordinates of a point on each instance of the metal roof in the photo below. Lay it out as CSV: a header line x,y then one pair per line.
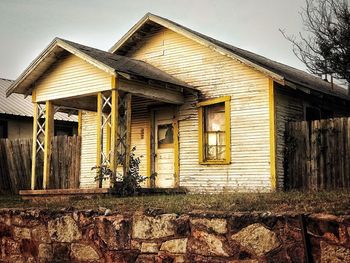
x,y
17,105
278,71
110,63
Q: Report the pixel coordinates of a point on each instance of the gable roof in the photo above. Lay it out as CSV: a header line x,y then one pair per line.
x,y
281,73
111,63
17,106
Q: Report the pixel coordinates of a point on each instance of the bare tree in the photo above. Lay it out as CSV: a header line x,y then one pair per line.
x,y
325,48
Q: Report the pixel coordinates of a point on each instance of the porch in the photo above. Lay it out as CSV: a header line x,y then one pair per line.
x,y
117,91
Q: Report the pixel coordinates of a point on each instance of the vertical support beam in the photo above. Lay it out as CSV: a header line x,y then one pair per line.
x,y
272,136
108,143
148,149
49,123
35,131
80,117
114,124
99,136
176,148
128,133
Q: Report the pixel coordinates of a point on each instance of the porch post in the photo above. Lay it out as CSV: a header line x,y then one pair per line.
x,y
49,123
128,132
114,124
35,130
99,136
80,117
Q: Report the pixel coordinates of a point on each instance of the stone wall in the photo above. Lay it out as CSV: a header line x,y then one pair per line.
x,y
89,236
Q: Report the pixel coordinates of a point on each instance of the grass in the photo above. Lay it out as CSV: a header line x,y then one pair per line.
x,y
334,202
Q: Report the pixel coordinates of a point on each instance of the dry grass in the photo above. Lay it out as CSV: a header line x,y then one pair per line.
x,y
334,202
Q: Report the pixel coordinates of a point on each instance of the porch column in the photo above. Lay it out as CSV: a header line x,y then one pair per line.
x,y
114,125
34,151
80,117
49,128
99,136
128,132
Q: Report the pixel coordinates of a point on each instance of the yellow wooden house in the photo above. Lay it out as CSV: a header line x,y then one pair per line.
x,y
204,115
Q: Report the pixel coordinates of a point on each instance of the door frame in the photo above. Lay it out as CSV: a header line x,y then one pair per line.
x,y
151,157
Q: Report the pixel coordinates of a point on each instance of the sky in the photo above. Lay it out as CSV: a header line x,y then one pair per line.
x,y
28,26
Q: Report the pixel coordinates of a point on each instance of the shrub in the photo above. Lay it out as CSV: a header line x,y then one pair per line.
x,y
126,185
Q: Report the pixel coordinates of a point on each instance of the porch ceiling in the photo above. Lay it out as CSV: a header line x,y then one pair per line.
x,y
89,103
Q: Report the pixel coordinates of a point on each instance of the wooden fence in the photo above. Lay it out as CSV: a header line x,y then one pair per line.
x,y
317,154
16,159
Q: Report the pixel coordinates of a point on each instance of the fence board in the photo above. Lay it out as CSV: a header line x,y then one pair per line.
x,y
15,164
318,154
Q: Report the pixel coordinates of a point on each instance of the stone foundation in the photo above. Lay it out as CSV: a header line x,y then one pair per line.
x,y
89,236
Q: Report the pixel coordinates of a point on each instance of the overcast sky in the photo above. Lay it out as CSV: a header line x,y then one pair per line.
x,y
27,27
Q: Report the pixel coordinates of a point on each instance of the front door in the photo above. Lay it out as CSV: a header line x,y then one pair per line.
x,y
164,148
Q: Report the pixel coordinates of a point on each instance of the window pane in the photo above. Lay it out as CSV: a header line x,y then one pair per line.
x,y
212,139
221,152
165,134
222,138
211,152
215,117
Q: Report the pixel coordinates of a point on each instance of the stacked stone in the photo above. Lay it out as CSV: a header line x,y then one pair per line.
x,y
88,236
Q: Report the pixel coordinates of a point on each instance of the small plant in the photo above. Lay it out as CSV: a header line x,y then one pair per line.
x,y
130,183
124,185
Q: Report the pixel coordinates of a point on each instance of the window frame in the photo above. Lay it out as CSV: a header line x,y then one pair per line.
x,y
201,129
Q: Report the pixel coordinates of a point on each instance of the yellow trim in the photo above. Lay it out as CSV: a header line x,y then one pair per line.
x,y
228,130
33,96
35,130
108,144
114,123
201,105
98,130
80,117
200,135
213,101
114,128
148,150
47,142
272,135
176,150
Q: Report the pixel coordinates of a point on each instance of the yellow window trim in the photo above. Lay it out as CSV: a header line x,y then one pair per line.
x,y
201,105
272,136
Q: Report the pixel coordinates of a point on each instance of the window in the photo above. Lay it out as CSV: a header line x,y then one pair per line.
x,y
3,129
214,131
165,135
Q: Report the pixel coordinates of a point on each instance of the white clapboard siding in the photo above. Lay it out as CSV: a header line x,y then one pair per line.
x,y
139,122
139,125
88,149
71,76
216,75
288,108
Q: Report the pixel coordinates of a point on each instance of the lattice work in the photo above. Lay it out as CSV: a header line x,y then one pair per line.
x,y
123,142
106,123
40,134
40,122
122,131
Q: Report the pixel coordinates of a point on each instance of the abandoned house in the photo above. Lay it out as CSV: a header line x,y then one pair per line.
x,y
204,115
